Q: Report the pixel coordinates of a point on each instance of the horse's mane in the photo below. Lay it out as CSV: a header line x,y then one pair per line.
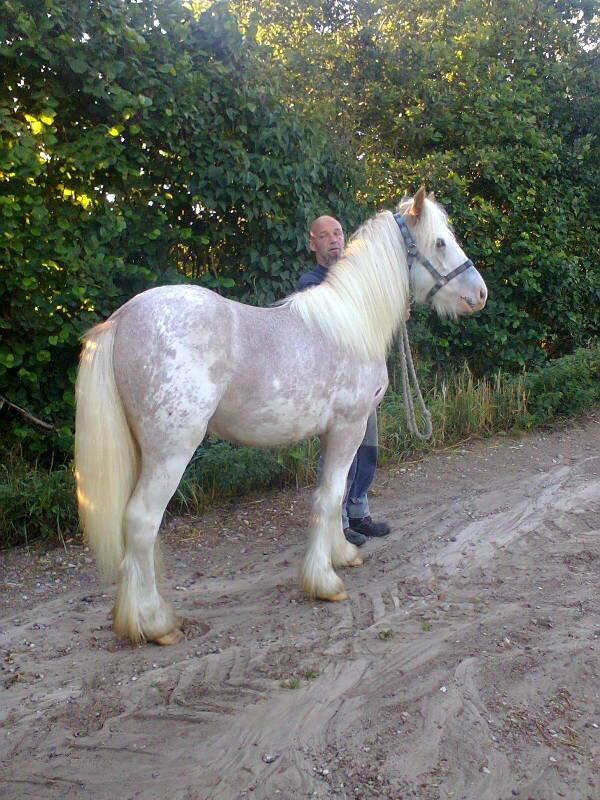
x,y
365,294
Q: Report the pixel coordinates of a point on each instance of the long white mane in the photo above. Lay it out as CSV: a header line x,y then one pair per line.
x,y
365,294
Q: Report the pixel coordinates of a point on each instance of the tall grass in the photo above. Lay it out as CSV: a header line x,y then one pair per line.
x,y
37,503
460,406
221,470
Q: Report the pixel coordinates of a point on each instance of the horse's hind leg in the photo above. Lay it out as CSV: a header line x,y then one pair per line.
x,y
141,613
328,545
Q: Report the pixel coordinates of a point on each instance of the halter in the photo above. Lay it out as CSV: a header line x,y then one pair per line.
x,y
412,255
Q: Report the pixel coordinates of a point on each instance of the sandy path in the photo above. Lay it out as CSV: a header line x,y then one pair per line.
x,y
464,666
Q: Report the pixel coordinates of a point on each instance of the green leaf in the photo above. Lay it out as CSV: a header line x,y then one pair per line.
x,y
78,65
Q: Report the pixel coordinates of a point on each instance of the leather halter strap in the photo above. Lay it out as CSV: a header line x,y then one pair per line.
x,y
412,254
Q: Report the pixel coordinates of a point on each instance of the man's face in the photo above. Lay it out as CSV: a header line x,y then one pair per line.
x,y
326,240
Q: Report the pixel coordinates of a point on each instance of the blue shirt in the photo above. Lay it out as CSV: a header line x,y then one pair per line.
x,y
312,278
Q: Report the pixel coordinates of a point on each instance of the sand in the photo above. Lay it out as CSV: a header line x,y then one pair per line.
x,y
464,666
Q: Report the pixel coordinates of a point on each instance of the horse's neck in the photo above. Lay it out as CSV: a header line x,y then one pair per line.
x,y
365,295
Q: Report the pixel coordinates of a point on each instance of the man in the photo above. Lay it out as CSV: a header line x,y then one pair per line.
x,y
327,243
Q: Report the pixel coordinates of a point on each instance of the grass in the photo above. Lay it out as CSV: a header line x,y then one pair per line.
x,y
292,683
461,407
221,470
37,503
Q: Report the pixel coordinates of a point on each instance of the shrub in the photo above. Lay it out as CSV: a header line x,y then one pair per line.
x,y
223,470
35,503
140,145
38,503
564,387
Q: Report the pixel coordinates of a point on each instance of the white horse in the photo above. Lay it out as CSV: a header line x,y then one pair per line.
x,y
177,361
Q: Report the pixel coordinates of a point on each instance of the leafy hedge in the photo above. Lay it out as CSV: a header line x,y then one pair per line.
x,y
497,107
564,387
139,145
39,503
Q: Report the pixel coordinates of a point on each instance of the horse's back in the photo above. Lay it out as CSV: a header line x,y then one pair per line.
x,y
178,303
172,313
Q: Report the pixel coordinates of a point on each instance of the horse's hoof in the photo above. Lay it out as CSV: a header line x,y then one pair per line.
x,y
356,562
173,637
336,598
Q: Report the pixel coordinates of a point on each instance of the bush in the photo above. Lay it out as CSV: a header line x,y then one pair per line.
x,y
496,105
221,470
140,145
564,388
35,503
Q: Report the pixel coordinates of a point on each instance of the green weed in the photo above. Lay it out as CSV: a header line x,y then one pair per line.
x,y
291,683
35,503
39,503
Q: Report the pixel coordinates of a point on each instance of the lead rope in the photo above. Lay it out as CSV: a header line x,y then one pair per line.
x,y
406,361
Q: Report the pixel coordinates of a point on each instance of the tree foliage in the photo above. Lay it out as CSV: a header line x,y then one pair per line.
x,y
497,107
140,144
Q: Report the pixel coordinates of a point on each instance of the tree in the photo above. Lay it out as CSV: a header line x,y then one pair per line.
x,y
140,144
495,106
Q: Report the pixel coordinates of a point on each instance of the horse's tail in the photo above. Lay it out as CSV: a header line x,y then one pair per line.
x,y
106,456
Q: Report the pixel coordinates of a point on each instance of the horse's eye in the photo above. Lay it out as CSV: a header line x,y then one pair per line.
x,y
440,243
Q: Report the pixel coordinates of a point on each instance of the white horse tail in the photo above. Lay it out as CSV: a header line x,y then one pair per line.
x,y
106,457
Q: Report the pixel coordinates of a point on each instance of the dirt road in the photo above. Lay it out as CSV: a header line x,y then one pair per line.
x,y
465,666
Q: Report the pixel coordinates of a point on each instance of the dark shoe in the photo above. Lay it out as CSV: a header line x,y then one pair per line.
x,y
354,538
367,527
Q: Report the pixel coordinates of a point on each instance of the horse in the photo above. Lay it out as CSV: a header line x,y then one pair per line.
x,y
176,362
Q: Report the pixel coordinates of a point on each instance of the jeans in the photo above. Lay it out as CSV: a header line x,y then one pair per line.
x,y
361,475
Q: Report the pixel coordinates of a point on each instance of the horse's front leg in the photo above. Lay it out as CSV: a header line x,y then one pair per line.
x,y
327,545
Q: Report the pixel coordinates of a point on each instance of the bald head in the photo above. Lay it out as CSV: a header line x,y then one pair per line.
x,y
326,240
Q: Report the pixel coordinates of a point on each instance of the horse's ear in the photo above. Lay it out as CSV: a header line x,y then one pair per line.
x,y
418,202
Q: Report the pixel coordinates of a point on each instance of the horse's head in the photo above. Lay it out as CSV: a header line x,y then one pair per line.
x,y
440,272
